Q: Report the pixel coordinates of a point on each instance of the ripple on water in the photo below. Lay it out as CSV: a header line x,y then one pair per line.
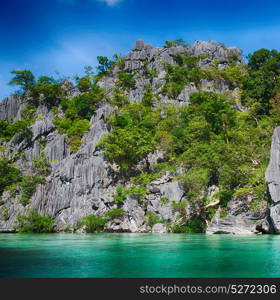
x,y
139,255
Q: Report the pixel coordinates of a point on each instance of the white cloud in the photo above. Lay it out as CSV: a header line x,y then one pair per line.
x,y
110,2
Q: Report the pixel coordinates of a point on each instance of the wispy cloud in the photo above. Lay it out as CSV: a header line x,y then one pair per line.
x,y
111,2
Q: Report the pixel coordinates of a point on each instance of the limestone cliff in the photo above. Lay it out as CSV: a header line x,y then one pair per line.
x,y
84,183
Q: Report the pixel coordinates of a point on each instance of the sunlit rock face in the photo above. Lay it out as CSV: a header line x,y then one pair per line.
x,y
83,183
272,177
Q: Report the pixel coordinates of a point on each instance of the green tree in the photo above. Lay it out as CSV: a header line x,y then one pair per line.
x,y
25,79
127,147
33,222
105,65
92,223
263,79
8,174
50,89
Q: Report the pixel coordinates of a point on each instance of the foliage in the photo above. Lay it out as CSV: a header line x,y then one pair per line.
x,y
51,90
144,178
48,87
114,213
11,178
181,74
24,78
19,128
195,181
193,225
152,219
119,97
120,195
74,129
33,222
263,79
138,192
83,105
28,187
78,111
132,137
125,80
105,65
148,98
8,174
92,223
179,207
233,75
4,213
127,147
177,42
164,200
41,164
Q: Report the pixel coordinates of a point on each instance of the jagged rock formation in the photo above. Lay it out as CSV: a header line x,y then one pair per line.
x,y
240,219
273,179
83,183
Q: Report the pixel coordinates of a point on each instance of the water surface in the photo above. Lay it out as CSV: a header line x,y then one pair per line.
x,y
139,255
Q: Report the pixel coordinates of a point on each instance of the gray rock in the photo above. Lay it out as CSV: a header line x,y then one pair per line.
x,y
139,45
83,183
239,224
172,191
272,174
10,108
159,228
275,218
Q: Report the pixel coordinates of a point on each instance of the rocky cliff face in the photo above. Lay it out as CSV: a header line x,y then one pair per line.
x,y
83,183
273,179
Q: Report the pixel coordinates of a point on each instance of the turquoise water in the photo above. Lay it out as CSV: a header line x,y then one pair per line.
x,y
139,255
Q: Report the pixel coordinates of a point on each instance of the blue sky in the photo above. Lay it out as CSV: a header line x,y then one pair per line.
x,y
47,36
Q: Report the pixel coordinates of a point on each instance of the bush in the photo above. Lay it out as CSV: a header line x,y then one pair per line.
x,y
74,130
19,128
84,105
126,81
127,147
4,213
33,222
9,175
148,98
179,207
144,178
28,187
195,181
84,84
114,213
78,128
132,138
164,200
120,195
177,42
137,192
41,165
51,90
119,97
152,219
92,224
184,72
193,225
